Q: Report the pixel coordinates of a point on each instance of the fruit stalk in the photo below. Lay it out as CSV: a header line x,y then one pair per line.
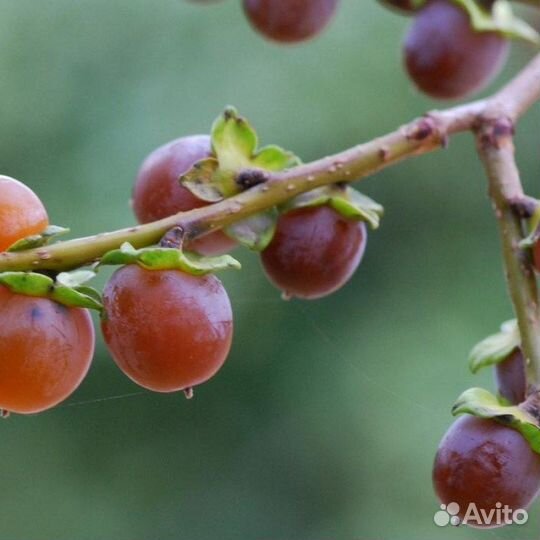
x,y
418,137
496,149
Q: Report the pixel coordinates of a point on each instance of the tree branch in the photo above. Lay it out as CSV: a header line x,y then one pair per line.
x,y
496,150
420,136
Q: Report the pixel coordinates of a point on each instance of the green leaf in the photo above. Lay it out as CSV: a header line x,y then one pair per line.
x,y
496,348
347,201
65,291
39,240
500,19
156,258
255,232
483,404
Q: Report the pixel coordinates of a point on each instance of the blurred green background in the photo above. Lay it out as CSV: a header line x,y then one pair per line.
x,y
324,422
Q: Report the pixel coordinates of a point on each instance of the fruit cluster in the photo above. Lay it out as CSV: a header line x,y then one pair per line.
x,y
452,49
491,456
166,319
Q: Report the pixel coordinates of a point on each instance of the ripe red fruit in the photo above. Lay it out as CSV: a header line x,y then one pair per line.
x,y
482,462
314,252
21,212
511,378
45,351
445,57
158,193
166,330
289,21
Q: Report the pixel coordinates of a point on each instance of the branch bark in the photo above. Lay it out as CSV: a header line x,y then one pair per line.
x,y
496,150
420,136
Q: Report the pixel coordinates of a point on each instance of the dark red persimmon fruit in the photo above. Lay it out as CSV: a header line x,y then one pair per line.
x,y
158,193
511,378
314,252
21,212
483,462
445,57
45,351
166,330
289,21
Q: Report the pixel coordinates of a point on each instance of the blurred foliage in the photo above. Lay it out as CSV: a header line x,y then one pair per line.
x,y
324,422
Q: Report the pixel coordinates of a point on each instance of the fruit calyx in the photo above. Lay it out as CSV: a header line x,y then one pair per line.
x,y
237,164
345,200
495,348
524,417
500,18
38,240
164,258
68,289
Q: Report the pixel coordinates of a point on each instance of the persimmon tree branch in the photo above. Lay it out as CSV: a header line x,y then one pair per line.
x,y
496,150
420,136
492,121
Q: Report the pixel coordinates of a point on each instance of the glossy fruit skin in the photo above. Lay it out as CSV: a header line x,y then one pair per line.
x,y
45,349
511,378
289,21
158,193
22,214
166,330
483,462
445,57
314,252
